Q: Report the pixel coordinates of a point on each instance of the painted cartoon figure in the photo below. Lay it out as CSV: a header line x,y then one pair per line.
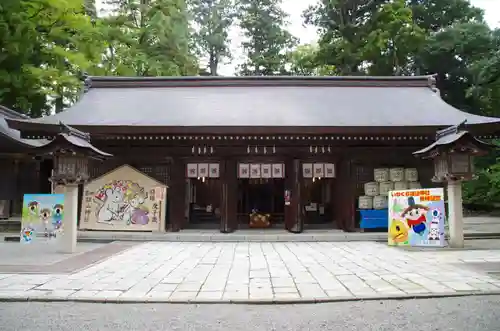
x,y
33,208
434,227
57,216
45,215
111,206
398,231
27,235
415,216
135,197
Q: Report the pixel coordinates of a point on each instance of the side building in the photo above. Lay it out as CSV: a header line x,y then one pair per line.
x,y
19,172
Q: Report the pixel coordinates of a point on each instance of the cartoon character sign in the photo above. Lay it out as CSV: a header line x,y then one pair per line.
x,y
42,215
26,235
122,201
416,217
398,232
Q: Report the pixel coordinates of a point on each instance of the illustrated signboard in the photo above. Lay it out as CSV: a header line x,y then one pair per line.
x,y
124,199
42,215
416,217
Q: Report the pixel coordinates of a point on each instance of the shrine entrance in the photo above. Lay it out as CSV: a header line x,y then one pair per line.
x,y
318,205
261,201
317,195
203,196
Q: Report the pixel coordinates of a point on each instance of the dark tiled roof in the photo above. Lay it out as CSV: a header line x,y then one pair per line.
x,y
263,102
450,136
15,135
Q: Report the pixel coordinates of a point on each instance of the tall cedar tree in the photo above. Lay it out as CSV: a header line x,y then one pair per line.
x,y
212,20
267,41
148,38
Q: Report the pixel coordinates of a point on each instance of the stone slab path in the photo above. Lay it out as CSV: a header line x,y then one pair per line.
x,y
261,272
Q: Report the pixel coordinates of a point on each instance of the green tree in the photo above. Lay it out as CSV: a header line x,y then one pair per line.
x,y
392,40
452,54
342,25
213,19
46,45
148,38
303,62
434,15
268,42
485,87
353,32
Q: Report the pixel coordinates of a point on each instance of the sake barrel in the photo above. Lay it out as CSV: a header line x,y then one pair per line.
x,y
381,175
397,174
371,189
365,202
385,187
411,174
400,185
414,185
380,202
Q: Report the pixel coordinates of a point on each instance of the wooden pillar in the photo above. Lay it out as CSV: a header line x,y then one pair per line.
x,y
229,196
177,195
345,196
17,195
293,212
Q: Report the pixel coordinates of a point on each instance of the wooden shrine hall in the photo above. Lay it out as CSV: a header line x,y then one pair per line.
x,y
252,152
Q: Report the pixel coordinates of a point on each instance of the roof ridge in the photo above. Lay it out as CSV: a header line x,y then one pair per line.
x,y
221,81
13,113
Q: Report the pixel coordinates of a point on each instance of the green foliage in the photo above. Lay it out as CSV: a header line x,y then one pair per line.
x,y
48,44
45,45
391,40
148,38
267,41
343,31
212,18
453,53
303,62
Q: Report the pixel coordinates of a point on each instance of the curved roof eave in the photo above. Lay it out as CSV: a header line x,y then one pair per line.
x,y
339,105
13,134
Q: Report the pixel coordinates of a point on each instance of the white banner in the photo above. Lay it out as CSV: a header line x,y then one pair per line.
x,y
192,170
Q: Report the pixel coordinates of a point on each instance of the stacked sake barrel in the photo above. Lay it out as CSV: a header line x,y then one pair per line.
x,y
385,180
404,179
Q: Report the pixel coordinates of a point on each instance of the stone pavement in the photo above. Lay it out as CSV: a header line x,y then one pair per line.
x,y
261,272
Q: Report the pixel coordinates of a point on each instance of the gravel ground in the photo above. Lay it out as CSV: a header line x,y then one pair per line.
x,y
480,313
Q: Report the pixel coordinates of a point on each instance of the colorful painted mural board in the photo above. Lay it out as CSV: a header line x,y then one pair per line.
x,y
417,217
42,215
124,199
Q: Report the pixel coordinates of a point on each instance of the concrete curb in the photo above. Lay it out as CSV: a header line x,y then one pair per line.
x,y
376,237
246,301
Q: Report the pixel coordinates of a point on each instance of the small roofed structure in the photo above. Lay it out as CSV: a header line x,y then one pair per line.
x,y
71,149
453,151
